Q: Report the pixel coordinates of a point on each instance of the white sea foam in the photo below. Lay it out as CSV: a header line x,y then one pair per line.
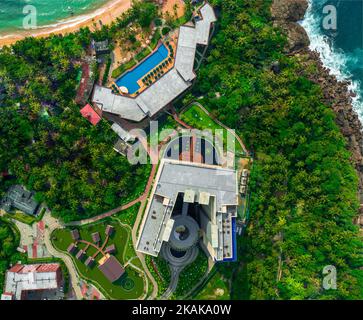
x,y
335,60
69,22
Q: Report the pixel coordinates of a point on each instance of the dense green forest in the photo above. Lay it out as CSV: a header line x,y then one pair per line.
x,y
304,186
9,240
303,182
45,144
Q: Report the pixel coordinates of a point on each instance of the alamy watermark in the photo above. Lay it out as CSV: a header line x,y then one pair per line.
x,y
330,277
30,19
330,17
206,146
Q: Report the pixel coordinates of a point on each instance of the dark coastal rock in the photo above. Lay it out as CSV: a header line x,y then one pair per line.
x,y
285,14
289,10
296,36
336,94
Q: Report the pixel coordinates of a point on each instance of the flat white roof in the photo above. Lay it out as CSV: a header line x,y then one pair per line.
x,y
17,282
185,52
162,92
176,177
202,27
169,86
126,107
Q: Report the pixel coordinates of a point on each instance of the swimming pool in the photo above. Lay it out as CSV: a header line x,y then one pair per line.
x,y
130,78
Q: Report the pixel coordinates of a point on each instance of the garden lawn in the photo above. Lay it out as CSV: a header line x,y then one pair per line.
x,y
198,119
215,289
192,273
61,239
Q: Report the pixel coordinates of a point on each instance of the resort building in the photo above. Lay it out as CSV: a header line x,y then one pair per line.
x,y
89,262
19,198
111,268
191,202
134,106
25,282
72,248
96,237
100,47
75,234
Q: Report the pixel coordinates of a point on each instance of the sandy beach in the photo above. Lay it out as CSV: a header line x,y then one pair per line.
x,y
106,14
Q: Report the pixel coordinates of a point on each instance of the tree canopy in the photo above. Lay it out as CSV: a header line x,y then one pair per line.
x,y
303,183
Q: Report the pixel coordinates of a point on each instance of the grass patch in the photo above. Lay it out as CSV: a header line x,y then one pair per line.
x,y
155,40
123,68
215,289
159,268
61,239
129,215
26,218
198,119
107,71
191,275
142,54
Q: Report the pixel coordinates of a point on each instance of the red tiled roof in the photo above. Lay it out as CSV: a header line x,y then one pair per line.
x,y
16,268
41,225
49,267
90,114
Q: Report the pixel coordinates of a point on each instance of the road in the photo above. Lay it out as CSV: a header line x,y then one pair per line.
x,y
52,224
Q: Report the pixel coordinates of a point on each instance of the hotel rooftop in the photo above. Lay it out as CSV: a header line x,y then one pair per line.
x,y
154,98
22,278
212,187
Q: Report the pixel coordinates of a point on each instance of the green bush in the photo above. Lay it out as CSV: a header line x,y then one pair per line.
x,y
123,68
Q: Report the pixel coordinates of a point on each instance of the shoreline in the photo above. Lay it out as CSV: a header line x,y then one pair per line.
x,y
337,93
331,58
107,13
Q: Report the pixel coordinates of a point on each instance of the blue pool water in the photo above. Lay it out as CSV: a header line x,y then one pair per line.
x,y
129,79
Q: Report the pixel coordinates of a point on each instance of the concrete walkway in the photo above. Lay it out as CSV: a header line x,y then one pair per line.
x,y
50,225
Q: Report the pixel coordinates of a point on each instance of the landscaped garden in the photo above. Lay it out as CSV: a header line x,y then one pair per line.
x,y
215,289
160,270
26,218
197,118
192,274
131,284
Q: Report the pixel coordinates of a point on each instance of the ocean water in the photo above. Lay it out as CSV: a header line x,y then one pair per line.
x,y
340,46
48,12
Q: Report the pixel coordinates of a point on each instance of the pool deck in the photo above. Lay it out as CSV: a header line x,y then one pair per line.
x,y
173,42
156,96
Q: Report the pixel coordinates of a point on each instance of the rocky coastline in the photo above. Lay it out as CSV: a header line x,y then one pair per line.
x,y
286,14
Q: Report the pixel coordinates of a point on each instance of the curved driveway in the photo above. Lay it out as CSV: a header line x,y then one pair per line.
x,y
52,224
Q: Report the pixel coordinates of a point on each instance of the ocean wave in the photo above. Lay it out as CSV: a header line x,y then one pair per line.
x,y
336,60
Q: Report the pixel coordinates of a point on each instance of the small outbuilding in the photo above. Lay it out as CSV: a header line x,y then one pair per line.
x,y
72,248
110,249
96,237
75,234
109,230
80,255
89,262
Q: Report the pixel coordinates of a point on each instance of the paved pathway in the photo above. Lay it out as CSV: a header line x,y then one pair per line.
x,y
52,224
